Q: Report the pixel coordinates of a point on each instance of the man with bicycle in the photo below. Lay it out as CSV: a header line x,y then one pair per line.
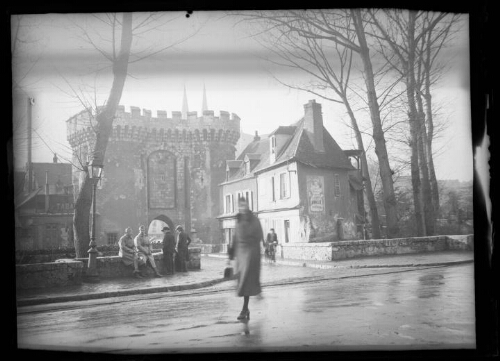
x,y
271,243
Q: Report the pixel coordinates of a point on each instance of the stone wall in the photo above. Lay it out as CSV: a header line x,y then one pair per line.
x,y
113,267
66,272
329,251
54,274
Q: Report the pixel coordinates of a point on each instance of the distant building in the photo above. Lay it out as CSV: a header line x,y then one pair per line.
x,y
299,182
44,211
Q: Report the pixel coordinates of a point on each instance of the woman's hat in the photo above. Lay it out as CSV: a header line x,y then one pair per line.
x,y
178,227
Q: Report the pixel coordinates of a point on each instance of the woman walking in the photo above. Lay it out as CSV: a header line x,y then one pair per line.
x,y
246,243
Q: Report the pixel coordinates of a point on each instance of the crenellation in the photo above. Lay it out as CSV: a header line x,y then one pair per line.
x,y
132,126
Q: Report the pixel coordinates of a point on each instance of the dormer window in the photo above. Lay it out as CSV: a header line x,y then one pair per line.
x,y
273,145
247,167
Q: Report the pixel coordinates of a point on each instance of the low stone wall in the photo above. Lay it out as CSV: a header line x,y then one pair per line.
x,y
113,267
54,274
213,248
66,272
460,242
329,251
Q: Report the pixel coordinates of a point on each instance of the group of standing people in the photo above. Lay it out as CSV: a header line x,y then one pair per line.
x,y
139,251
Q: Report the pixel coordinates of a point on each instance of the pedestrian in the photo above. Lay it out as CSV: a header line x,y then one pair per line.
x,y
128,253
168,250
182,248
144,249
271,243
246,242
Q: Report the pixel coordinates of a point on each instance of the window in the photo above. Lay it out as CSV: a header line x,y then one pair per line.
x,y
229,206
272,189
273,145
336,185
112,238
284,185
227,175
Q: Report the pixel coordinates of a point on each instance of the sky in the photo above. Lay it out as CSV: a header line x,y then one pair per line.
x,y
53,64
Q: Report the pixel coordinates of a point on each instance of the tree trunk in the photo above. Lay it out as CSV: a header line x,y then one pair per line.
x,y
390,203
103,132
81,224
409,69
429,214
365,173
428,144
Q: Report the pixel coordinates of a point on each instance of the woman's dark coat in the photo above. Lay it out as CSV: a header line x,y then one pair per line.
x,y
246,243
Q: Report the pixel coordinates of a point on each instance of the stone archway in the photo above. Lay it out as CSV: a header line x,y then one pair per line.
x,y
155,226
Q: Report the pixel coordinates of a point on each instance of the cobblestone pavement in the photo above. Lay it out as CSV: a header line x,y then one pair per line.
x,y
212,268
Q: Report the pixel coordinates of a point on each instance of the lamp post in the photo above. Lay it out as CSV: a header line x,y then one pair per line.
x,y
94,172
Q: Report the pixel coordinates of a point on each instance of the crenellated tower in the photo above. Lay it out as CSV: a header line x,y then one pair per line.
x,y
161,167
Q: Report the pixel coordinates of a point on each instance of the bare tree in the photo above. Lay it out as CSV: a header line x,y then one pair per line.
x,y
344,28
120,59
403,34
412,39
124,29
431,71
329,67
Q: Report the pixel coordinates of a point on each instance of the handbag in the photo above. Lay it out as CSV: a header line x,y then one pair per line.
x,y
230,252
228,271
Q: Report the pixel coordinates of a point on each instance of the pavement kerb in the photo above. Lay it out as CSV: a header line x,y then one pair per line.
x,y
300,263
100,295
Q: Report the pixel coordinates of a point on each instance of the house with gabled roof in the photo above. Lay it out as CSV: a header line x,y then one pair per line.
x,y
240,182
304,185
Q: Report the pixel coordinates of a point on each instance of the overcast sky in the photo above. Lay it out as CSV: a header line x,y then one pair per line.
x,y
220,56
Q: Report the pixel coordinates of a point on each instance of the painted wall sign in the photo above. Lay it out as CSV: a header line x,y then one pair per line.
x,y
161,180
316,193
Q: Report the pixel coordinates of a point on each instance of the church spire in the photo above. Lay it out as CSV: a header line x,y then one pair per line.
x,y
204,106
185,108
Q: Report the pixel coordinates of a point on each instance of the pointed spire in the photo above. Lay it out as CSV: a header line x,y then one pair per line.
x,y
185,108
204,106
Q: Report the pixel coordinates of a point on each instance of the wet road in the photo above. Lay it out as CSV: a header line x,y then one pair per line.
x,y
429,308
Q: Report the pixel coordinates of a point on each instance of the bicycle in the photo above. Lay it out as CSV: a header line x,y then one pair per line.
x,y
270,253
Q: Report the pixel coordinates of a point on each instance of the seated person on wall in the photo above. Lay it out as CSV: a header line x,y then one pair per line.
x,y
128,253
145,249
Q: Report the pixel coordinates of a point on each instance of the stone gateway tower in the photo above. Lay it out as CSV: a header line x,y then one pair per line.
x,y
158,168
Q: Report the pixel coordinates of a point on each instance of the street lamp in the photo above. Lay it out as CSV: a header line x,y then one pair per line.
x,y
94,172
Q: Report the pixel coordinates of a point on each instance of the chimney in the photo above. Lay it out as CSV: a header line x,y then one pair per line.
x,y
256,138
47,204
313,124
55,158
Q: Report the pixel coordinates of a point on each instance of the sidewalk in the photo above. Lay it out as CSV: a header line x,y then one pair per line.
x,y
212,268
